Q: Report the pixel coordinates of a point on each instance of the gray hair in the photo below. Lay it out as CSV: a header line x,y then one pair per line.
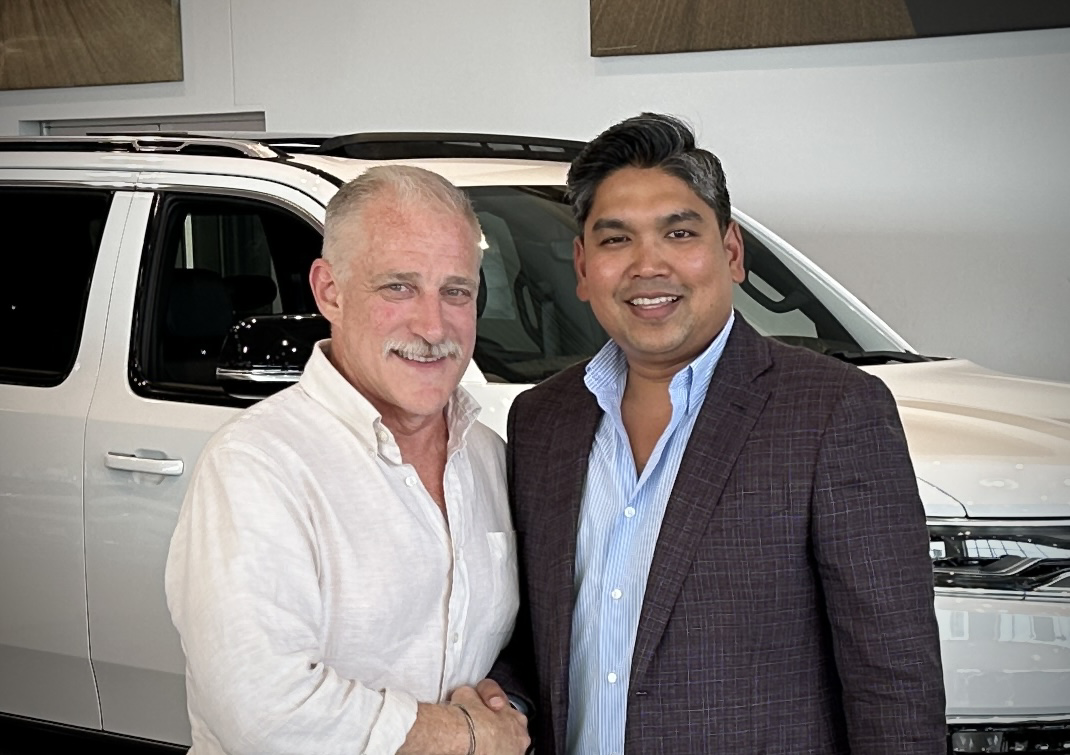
x,y
406,184
649,140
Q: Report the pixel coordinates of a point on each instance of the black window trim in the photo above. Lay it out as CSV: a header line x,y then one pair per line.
x,y
149,273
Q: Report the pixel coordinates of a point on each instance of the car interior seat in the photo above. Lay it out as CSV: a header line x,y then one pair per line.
x,y
199,314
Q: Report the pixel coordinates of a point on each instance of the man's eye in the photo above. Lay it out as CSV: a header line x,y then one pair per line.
x,y
680,233
458,293
396,288
611,240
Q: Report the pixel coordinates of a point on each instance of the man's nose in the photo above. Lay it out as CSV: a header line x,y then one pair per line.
x,y
648,258
428,322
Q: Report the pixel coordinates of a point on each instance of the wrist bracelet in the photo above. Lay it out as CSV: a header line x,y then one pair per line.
x,y
471,729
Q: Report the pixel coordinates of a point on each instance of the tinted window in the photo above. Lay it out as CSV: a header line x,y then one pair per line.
x,y
531,324
213,261
51,240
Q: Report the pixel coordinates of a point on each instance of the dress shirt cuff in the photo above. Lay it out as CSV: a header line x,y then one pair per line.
x,y
396,717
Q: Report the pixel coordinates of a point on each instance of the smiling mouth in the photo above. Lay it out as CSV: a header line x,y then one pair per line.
x,y
650,302
416,358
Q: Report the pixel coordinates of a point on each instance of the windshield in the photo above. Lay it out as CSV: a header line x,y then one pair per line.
x,y
531,324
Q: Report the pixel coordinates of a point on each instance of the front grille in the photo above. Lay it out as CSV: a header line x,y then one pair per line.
x,y
1029,559
1024,738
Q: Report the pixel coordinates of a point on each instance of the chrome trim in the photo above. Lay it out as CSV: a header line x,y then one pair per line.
x,y
37,183
153,144
1018,566
240,192
1061,583
266,375
1037,594
987,523
168,144
1055,718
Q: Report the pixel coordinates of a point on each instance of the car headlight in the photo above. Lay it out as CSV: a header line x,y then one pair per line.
x,y
1024,557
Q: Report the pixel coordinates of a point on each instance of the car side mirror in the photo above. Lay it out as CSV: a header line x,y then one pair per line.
x,y
263,354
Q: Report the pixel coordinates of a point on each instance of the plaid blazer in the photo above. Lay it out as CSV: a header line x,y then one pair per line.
x,y
789,606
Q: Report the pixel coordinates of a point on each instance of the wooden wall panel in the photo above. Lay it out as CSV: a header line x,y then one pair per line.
x,y
633,27
59,43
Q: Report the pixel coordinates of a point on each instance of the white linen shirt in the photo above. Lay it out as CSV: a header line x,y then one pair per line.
x,y
317,588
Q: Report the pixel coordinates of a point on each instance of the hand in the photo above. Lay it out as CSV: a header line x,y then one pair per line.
x,y
492,695
503,732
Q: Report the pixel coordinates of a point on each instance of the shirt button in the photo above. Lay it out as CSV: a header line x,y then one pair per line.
x,y
629,512
616,594
611,678
410,481
455,638
383,436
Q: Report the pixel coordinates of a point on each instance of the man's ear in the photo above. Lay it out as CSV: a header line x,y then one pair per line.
x,y
325,289
733,248
579,261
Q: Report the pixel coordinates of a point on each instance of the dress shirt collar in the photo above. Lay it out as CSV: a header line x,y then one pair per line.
x,y
607,373
326,385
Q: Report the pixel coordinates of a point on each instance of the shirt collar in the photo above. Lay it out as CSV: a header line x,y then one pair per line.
x,y
327,387
607,372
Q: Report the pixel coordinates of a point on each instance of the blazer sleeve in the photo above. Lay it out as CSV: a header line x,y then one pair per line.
x,y
871,548
515,668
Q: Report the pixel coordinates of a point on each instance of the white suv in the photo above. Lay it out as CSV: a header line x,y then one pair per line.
x,y
153,286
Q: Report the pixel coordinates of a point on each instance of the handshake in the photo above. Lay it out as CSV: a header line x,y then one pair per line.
x,y
494,726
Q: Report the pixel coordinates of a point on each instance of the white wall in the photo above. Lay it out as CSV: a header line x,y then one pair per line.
x,y
932,177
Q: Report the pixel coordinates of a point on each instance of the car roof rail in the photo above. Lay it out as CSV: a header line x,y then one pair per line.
x,y
185,144
414,145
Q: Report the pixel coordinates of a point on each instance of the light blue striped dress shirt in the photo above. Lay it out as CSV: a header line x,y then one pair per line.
x,y
618,527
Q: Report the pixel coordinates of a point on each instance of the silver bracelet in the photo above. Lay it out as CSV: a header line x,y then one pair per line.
x,y
471,729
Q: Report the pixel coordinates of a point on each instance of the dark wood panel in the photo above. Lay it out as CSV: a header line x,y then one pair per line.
x,y
56,43
933,18
632,27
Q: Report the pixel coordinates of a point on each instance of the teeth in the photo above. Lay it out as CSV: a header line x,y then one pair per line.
x,y
417,358
656,301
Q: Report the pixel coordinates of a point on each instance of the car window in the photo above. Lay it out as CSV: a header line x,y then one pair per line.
x,y
211,262
531,324
51,240
774,299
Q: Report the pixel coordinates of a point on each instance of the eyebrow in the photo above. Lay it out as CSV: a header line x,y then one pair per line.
x,y
682,216
607,224
616,224
408,277
461,280
394,276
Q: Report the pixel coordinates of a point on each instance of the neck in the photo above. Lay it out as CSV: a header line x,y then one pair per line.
x,y
415,432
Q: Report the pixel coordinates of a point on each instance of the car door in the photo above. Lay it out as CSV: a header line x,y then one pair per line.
x,y
214,250
62,230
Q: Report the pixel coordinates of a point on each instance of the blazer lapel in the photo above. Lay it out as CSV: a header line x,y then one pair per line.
x,y
573,434
732,406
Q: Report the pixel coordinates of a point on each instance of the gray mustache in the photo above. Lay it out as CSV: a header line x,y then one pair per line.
x,y
421,349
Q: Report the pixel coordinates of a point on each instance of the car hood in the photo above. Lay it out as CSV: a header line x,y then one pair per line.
x,y
996,444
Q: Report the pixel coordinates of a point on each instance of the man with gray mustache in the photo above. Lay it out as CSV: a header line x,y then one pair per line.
x,y
343,570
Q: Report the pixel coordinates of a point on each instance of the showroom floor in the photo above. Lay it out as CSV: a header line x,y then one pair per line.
x,y
20,738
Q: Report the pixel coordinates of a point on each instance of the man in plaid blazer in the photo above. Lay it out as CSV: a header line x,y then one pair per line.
x,y
722,545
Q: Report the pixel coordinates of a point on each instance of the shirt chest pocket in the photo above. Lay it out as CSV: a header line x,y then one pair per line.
x,y
503,595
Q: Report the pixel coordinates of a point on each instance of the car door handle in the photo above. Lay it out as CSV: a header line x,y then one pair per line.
x,y
131,463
